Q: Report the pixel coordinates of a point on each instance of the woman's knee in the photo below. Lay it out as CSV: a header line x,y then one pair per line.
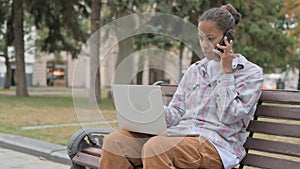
x,y
154,141
158,145
115,137
125,143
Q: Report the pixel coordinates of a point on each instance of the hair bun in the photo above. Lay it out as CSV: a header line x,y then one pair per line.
x,y
236,15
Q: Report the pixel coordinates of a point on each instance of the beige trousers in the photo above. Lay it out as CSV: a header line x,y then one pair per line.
x,y
124,150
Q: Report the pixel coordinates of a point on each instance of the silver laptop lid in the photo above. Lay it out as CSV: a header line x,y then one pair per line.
x,y
139,108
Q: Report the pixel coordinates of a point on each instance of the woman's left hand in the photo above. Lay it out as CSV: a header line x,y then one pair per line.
x,y
227,56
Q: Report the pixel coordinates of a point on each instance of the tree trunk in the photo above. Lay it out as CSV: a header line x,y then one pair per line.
x,y
9,38
125,76
95,83
21,87
181,47
8,70
139,76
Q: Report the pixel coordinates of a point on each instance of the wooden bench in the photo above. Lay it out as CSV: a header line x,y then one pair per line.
x,y
273,140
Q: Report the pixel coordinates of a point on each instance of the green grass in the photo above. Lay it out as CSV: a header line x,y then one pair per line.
x,y
49,135
43,107
37,101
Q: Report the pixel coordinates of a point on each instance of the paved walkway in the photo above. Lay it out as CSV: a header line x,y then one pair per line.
x,y
18,152
10,159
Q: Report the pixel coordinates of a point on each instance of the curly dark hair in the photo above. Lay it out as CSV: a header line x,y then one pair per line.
x,y
226,17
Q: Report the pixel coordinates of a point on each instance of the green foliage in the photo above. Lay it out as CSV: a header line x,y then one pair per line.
x,y
260,35
6,31
60,24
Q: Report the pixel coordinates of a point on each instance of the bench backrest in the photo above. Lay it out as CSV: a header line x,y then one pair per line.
x,y
168,92
274,132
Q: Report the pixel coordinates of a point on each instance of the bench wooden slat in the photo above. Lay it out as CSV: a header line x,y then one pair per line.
x,y
86,160
279,129
260,161
280,96
273,146
167,100
93,151
280,112
168,90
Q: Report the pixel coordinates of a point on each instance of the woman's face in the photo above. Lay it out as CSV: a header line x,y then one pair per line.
x,y
210,35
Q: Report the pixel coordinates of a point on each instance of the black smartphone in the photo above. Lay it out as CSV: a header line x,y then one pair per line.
x,y
222,42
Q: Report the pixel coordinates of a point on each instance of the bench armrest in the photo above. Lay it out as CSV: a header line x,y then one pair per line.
x,y
86,137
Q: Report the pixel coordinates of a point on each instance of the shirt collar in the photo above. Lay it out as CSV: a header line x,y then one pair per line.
x,y
238,63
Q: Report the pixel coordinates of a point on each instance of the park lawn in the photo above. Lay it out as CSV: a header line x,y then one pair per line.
x,y
40,110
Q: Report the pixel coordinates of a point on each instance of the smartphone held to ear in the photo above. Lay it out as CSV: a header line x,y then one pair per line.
x,y
214,55
222,42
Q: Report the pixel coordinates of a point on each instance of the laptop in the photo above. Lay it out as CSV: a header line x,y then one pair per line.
x,y
140,109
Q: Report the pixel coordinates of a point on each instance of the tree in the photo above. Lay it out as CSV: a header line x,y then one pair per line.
x,y
126,46
21,87
6,31
129,45
190,9
61,25
57,22
291,9
95,80
261,36
260,27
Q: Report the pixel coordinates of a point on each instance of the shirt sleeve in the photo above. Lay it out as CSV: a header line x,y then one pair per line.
x,y
236,98
176,108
